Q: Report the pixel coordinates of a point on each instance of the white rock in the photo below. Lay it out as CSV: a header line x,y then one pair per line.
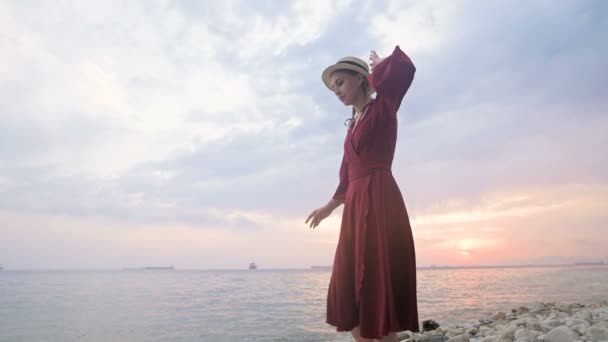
x,y
474,324
519,322
565,308
584,314
438,338
492,338
599,334
525,334
484,333
533,324
560,334
498,327
460,338
581,329
425,336
508,333
554,322
575,321
403,335
488,319
455,332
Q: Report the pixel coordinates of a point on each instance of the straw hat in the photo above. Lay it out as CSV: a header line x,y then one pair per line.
x,y
349,63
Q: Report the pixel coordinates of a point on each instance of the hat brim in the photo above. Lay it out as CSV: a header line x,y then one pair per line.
x,y
326,75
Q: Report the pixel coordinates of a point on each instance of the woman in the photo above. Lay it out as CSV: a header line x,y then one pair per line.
x,y
372,291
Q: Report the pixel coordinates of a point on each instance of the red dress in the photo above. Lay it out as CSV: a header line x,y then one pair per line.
x,y
373,282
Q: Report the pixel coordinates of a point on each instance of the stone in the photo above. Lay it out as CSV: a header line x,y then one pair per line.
x,y
503,340
455,332
473,324
492,338
533,324
500,316
519,322
403,336
429,325
581,329
438,338
487,319
525,334
554,322
484,330
564,308
460,338
599,334
499,327
429,336
536,324
586,315
575,321
560,334
508,333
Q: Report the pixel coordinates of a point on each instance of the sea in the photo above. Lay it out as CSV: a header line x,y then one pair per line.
x,y
257,305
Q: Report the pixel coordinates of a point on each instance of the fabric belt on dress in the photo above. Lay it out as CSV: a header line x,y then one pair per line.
x,y
355,173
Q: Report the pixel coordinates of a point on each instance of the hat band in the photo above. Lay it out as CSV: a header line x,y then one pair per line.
x,y
355,64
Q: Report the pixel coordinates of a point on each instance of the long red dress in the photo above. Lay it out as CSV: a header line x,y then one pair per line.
x,y
373,282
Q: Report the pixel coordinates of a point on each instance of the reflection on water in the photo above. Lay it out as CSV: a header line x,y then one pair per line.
x,y
461,294
252,305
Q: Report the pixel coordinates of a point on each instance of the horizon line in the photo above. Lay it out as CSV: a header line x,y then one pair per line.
x,y
312,267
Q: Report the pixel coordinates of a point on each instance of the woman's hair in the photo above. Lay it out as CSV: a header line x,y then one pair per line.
x,y
364,86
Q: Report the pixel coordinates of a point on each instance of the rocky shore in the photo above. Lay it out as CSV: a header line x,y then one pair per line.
x,y
546,322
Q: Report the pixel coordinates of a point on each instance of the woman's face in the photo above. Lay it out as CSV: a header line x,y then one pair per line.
x,y
346,86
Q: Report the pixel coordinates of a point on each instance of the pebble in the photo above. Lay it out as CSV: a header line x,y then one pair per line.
x,y
560,334
599,334
543,322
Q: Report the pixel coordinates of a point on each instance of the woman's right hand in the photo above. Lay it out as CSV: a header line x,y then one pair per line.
x,y
318,215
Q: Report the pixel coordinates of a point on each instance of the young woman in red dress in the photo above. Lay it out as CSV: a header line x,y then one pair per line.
x,y
372,291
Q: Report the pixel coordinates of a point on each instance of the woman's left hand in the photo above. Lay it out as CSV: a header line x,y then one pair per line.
x,y
373,56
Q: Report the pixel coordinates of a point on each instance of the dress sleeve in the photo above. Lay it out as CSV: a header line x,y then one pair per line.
x,y
392,78
340,193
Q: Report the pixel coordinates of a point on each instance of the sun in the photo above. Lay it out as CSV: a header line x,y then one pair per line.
x,y
464,251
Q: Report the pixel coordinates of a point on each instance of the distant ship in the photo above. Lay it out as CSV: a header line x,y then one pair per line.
x,y
159,268
253,266
1,268
580,263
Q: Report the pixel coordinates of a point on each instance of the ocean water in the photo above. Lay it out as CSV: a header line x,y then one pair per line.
x,y
262,305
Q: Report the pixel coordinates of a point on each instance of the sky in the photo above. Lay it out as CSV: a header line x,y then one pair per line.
x,y
199,134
